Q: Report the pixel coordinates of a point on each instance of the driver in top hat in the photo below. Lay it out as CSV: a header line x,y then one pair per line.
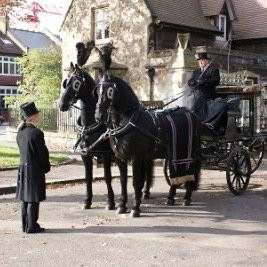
x,y
203,82
34,163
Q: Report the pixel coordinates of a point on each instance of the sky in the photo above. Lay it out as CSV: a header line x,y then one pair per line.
x,y
52,22
263,3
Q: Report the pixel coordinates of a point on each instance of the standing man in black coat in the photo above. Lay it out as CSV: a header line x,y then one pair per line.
x,y
203,83
34,163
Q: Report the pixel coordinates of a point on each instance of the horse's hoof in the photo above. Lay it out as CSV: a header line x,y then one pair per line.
x,y
110,206
170,202
121,210
86,206
187,202
146,196
135,214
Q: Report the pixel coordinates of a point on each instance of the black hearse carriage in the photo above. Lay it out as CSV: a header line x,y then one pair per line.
x,y
240,150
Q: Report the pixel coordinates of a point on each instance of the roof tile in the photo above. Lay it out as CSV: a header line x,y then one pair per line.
x,y
251,16
8,47
32,39
180,12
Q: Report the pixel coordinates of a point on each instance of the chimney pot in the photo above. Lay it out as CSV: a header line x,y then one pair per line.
x,y
3,22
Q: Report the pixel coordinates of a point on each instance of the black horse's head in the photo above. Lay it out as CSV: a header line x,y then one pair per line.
x,y
114,95
112,92
105,92
79,85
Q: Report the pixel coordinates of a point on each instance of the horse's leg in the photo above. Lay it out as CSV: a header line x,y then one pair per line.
x,y
122,208
172,193
138,184
107,177
188,193
192,186
88,165
148,177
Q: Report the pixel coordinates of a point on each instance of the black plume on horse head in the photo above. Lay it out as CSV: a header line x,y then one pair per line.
x,y
84,51
105,56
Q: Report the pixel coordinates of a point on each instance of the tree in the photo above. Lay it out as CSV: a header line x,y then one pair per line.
x,y
12,8
41,71
7,5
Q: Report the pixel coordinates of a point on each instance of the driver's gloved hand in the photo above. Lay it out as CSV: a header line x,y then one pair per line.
x,y
192,83
200,82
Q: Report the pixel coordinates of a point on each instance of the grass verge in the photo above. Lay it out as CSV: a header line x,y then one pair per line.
x,y
9,157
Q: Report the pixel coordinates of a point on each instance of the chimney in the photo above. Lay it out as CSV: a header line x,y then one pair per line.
x,y
3,22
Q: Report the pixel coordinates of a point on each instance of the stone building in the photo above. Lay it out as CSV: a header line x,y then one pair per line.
x,y
155,39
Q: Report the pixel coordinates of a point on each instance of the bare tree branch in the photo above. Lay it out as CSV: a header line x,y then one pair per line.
x,y
7,5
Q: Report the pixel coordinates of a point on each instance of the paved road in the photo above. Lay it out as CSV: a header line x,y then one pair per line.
x,y
4,138
217,230
3,129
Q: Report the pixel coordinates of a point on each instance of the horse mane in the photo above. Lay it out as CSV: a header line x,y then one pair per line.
x,y
88,79
126,96
89,84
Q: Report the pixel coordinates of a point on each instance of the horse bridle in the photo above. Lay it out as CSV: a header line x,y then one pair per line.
x,y
131,124
76,85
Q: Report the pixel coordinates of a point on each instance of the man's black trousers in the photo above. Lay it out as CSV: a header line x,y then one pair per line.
x,y
30,215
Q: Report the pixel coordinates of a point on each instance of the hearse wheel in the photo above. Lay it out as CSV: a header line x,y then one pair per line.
x,y
256,153
238,170
166,171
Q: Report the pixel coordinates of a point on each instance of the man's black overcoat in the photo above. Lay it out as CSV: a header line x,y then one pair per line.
x,y
205,82
34,163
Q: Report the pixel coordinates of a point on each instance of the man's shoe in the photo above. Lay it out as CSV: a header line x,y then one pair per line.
x,y
35,231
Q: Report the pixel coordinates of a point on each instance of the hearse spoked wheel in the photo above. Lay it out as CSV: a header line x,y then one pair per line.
x,y
256,152
166,171
238,170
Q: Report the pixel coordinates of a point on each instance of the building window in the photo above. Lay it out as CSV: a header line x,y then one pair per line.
x,y
101,25
7,91
221,24
9,66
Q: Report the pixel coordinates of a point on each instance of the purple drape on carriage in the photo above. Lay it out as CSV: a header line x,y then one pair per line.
x,y
183,145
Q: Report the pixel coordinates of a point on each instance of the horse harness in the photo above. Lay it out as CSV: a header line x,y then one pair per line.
x,y
132,124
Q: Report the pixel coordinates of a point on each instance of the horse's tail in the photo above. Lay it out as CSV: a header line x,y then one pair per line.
x,y
148,172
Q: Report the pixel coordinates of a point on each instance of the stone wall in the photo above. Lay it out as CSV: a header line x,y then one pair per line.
x,y
174,68
253,46
129,20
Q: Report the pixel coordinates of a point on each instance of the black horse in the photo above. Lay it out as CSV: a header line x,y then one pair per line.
x,y
139,134
80,86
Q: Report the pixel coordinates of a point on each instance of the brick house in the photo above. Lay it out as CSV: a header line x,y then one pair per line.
x,y
13,44
9,67
149,55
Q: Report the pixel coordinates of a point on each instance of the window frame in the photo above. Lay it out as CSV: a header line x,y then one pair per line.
x,y
5,88
105,21
224,26
6,62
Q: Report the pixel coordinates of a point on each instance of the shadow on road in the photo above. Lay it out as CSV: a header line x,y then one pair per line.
x,y
153,229
213,205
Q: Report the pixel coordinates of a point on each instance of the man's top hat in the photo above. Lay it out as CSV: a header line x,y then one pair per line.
x,y
28,109
201,53
202,56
